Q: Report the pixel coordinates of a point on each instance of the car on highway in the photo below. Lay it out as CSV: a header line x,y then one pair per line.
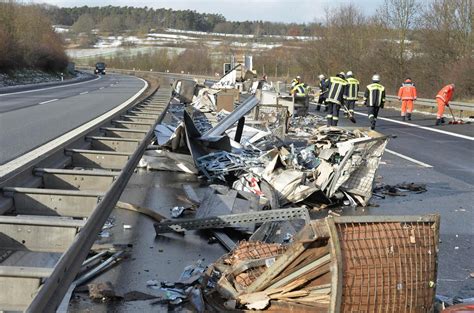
x,y
99,68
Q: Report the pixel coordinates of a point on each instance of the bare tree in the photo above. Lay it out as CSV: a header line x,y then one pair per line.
x,y
399,16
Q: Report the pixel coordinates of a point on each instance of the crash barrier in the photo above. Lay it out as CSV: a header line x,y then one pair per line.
x,y
62,210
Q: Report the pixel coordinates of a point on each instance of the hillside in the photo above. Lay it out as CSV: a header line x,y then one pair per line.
x,y
28,41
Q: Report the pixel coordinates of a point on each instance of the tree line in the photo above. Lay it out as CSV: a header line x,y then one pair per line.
x,y
113,19
431,42
27,39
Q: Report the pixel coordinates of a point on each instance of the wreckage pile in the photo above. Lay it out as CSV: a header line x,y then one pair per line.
x,y
263,183
328,165
337,264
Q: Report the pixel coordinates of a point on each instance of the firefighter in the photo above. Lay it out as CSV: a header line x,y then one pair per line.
x,y
351,92
442,98
407,94
295,81
374,99
324,87
299,90
300,98
337,86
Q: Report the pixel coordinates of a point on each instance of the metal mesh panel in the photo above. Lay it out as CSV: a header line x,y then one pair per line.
x,y
357,174
388,266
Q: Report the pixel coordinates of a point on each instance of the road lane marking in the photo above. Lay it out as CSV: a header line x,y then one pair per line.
x,y
52,100
101,88
84,93
408,158
422,127
8,169
35,90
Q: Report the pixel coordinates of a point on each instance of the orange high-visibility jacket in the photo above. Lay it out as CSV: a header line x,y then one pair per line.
x,y
407,91
446,93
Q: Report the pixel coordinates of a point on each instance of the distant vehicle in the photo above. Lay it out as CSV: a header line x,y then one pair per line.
x,y
99,68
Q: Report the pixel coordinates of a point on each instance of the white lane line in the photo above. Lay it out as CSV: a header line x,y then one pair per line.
x,y
52,100
35,90
408,158
84,93
39,153
422,127
101,88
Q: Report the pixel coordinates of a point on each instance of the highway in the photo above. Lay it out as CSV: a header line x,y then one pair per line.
x,y
31,118
442,158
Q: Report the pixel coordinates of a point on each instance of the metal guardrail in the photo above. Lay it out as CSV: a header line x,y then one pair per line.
x,y
58,194
455,105
55,287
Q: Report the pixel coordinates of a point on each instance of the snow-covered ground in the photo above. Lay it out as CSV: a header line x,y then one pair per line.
x,y
280,37
61,28
157,39
81,54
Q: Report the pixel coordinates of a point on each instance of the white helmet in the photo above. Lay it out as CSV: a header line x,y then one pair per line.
x,y
349,74
342,74
321,77
376,78
298,77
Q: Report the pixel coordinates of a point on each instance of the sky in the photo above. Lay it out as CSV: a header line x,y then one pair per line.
x,y
298,11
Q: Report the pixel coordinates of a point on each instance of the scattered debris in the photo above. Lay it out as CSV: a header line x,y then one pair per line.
x,y
145,211
102,292
138,296
316,270
177,211
399,190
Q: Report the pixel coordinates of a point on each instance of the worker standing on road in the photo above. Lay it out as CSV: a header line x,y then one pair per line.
x,y
295,81
407,94
324,87
442,98
299,90
337,86
351,92
374,98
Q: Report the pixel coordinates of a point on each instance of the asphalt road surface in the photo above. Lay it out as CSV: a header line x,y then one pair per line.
x,y
442,157
31,118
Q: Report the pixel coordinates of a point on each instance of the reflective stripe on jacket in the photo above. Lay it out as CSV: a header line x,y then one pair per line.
x,y
407,92
352,89
374,95
337,88
294,82
299,90
446,93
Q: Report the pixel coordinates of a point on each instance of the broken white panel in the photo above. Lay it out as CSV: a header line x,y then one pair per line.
x,y
248,62
227,81
289,188
163,133
250,135
162,160
324,172
268,98
205,103
344,147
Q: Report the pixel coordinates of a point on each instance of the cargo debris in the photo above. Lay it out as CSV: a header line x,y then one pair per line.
x,y
331,265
